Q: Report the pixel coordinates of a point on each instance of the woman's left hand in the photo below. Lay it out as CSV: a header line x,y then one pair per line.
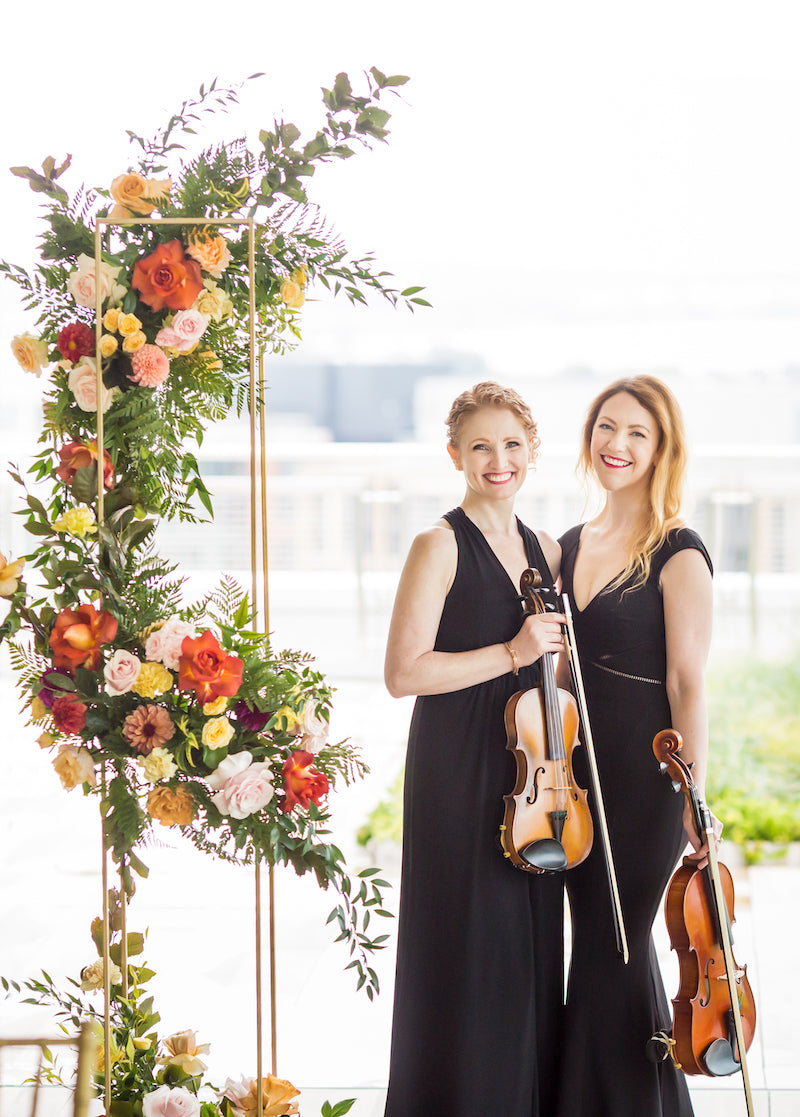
x,y
700,848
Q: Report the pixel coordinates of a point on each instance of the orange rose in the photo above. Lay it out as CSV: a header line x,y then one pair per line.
x,y
302,782
77,455
171,808
206,669
78,635
167,277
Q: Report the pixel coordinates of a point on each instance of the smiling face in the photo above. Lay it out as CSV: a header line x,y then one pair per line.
x,y
624,444
493,452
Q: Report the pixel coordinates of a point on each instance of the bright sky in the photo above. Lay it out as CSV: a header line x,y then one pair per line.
x,y
614,184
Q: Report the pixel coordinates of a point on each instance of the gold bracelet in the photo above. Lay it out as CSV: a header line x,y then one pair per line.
x,y
514,660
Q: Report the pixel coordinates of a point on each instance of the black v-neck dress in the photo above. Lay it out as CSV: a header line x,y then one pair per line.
x,y
478,994
613,1009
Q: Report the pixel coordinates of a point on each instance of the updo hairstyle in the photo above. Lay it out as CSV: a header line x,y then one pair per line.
x,y
490,394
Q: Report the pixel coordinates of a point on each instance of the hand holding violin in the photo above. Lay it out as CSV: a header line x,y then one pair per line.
x,y
699,856
540,633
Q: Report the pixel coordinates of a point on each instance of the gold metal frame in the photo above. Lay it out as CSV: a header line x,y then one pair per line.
x,y
259,577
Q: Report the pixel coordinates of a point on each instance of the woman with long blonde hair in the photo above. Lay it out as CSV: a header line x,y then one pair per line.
x,y
639,583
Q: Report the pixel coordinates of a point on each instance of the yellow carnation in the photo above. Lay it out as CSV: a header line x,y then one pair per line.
x,y
76,521
171,808
153,679
158,765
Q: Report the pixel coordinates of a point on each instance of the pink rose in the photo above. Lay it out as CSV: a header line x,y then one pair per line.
x,y
188,326
82,383
242,787
167,1102
121,672
164,645
150,366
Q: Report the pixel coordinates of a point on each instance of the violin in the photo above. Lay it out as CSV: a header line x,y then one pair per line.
x,y
714,1013
547,825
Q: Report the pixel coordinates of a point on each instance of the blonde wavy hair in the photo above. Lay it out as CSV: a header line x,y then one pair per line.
x,y
490,394
667,479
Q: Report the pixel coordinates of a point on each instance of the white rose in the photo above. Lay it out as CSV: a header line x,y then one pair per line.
x,y
82,283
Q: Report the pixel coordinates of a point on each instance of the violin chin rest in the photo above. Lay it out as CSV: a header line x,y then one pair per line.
x,y
547,855
718,1059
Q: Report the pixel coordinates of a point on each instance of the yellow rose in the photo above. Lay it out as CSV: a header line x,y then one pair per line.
x,y
153,679
134,194
292,294
214,302
128,324
141,1043
158,765
217,733
111,318
133,342
276,1094
45,740
76,521
211,709
183,1051
300,275
74,766
9,575
31,353
108,345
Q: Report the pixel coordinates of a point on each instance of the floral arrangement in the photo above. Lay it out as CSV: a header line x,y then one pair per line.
x,y
148,1076
172,714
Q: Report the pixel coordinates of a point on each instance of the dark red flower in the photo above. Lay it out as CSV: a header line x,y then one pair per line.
x,y
69,714
75,341
75,455
302,783
78,635
167,277
207,669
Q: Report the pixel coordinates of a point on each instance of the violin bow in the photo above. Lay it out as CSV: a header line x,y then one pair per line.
x,y
588,740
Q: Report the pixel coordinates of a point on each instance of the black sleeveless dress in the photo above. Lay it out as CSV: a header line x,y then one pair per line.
x,y
613,1009
478,994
